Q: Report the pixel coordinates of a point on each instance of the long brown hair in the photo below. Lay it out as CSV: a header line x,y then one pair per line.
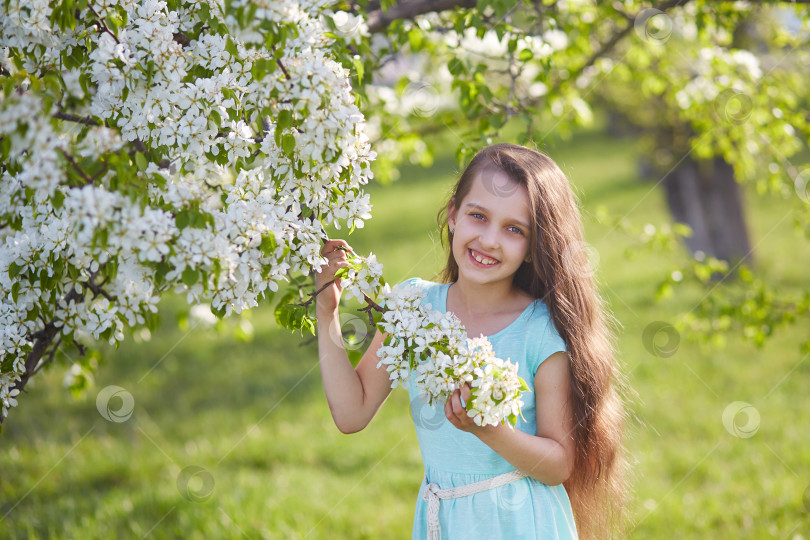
x,y
559,274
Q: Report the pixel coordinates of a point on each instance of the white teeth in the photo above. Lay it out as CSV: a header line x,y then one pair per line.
x,y
482,259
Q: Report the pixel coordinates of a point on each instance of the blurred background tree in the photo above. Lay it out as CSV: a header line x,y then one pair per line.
x,y
714,90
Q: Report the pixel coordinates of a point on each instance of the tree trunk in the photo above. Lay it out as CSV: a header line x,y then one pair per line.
x,y
705,196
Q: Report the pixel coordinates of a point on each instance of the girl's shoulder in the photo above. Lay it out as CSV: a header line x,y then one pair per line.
x,y
543,339
419,284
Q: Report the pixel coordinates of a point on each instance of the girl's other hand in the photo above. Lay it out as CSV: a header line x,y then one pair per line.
x,y
456,410
335,252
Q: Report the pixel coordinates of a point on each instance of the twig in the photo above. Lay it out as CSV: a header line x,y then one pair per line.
x,y
371,305
316,293
283,69
103,24
75,166
99,174
79,347
96,288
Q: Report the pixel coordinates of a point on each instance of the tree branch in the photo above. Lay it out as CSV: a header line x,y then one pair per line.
x,y
78,119
608,46
611,43
378,20
50,358
43,339
181,39
99,174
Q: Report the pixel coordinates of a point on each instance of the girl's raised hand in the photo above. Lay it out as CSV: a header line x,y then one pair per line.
x,y
335,252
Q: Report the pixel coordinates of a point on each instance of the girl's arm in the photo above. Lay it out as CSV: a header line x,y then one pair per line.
x,y
354,395
547,457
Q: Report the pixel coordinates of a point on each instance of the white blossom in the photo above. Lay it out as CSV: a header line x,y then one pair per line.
x,y
148,191
432,350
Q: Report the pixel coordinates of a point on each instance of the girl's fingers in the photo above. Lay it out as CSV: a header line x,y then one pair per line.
x,y
466,391
462,404
456,405
334,260
448,410
332,246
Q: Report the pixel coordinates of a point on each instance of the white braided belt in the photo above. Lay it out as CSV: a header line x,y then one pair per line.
x,y
432,494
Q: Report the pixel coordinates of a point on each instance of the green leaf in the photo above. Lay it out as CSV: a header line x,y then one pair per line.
x,y
415,38
190,276
230,46
284,119
341,272
219,312
307,323
288,144
57,199
359,67
268,245
14,269
216,117
281,310
523,386
140,161
183,219
455,66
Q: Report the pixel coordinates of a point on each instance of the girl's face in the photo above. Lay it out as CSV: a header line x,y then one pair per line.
x,y
492,229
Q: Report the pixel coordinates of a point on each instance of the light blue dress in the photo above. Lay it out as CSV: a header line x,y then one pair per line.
x,y
522,509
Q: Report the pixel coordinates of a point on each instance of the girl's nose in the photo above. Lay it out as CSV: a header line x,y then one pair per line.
x,y
489,238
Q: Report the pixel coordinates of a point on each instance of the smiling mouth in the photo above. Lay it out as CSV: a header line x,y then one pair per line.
x,y
482,259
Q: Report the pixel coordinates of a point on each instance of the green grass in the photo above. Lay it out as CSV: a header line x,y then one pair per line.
x,y
253,416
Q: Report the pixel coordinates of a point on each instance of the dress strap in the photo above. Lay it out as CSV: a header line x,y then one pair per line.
x,y
433,495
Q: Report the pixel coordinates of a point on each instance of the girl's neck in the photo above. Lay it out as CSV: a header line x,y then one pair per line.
x,y
476,299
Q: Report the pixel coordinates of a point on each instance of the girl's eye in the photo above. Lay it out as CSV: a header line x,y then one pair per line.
x,y
515,230
477,215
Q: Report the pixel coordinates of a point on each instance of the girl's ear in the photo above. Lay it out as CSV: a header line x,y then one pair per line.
x,y
451,213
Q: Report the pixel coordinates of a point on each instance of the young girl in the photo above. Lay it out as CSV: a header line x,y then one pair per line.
x,y
516,273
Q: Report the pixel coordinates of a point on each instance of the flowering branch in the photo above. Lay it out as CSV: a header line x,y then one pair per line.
x,y
152,85
42,340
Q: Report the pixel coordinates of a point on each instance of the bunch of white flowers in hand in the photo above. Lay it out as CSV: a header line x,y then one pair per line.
x,y
432,350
